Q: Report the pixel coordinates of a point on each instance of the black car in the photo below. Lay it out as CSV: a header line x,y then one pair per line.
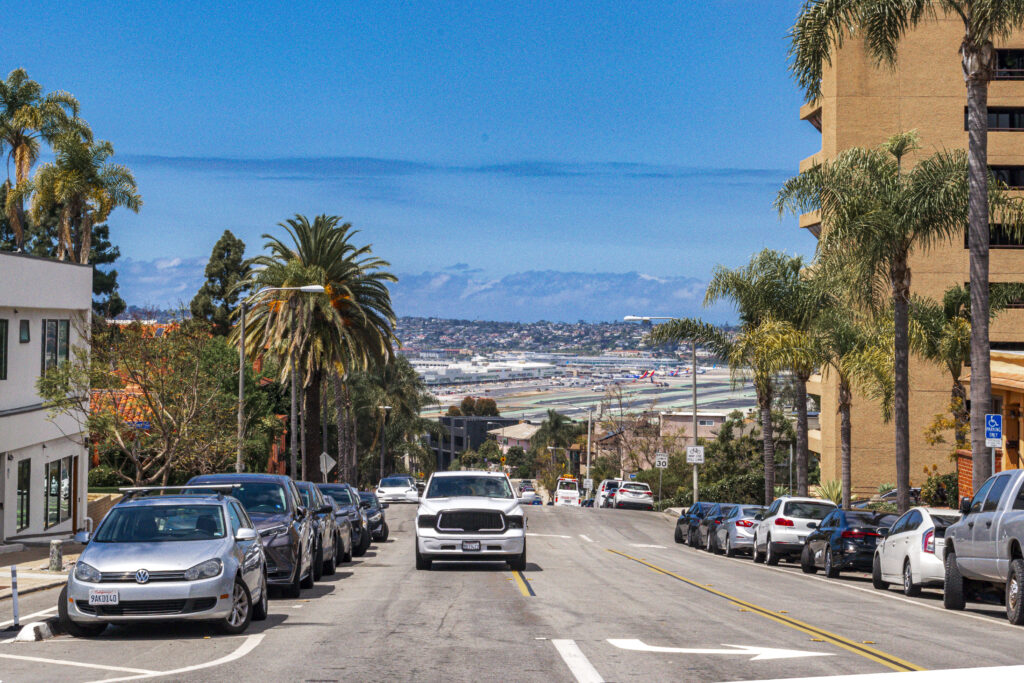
x,y
347,498
709,523
327,548
686,524
845,539
375,517
285,525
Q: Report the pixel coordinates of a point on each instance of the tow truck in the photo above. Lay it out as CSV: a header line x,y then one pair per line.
x,y
567,491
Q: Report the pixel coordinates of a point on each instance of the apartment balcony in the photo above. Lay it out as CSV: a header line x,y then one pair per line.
x,y
811,221
814,160
811,112
814,440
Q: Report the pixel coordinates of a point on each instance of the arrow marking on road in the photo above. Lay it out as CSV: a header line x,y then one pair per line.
x,y
753,651
646,545
586,538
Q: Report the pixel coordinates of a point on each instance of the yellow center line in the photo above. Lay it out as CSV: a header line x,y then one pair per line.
x,y
871,653
521,582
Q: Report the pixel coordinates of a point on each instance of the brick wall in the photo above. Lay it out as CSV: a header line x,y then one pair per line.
x,y
965,471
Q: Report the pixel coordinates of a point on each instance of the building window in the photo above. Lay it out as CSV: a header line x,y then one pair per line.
x,y
55,342
1002,118
1000,238
1009,65
705,423
1012,176
24,336
58,491
3,349
24,479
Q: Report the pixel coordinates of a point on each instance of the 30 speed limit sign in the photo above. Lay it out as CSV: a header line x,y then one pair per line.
x,y
695,455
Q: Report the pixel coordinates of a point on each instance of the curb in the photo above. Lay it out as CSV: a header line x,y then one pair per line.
x,y
34,589
37,630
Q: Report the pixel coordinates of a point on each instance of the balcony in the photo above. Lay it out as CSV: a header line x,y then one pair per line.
x,y
811,221
810,162
811,112
814,440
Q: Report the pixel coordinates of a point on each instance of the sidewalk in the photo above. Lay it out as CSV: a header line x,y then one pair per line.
x,y
33,569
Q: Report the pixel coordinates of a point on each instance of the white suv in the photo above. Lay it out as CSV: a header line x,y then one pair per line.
x,y
470,516
785,526
606,493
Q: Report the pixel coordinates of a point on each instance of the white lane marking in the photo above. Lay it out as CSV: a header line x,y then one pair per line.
x,y
67,662
250,644
995,673
646,545
586,538
577,662
530,533
753,651
28,616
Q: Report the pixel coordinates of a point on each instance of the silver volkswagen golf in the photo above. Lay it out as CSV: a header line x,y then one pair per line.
x,y
168,557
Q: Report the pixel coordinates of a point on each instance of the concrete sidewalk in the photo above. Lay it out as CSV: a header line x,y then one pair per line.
x,y
33,569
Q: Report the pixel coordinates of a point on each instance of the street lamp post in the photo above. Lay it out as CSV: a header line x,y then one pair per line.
x,y
309,289
386,409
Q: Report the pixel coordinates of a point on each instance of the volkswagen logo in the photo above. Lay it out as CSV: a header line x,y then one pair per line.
x,y
141,576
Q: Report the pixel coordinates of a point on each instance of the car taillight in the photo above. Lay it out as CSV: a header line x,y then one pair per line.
x,y
648,493
858,534
718,521
928,541
744,522
782,521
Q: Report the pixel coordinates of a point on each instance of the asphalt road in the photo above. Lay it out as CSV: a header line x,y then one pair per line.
x,y
602,591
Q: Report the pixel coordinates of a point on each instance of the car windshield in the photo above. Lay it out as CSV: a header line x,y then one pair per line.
x,y
808,510
567,486
469,485
259,496
394,482
370,497
751,512
613,485
161,523
727,510
340,494
635,487
943,521
869,519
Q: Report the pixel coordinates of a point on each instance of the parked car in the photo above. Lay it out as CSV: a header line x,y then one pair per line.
x,y
605,495
347,498
736,532
910,553
567,491
845,539
786,525
686,523
887,497
634,494
470,516
344,524
525,484
398,488
984,548
709,524
527,493
194,556
375,516
285,525
325,530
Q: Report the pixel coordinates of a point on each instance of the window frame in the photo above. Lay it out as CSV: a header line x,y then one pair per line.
x,y
4,347
23,518
61,339
998,489
979,497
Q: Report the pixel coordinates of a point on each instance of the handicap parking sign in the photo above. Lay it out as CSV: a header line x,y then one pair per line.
x,y
993,430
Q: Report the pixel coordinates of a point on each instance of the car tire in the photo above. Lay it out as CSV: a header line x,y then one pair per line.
x,y
72,628
876,574
771,558
262,608
294,589
317,568
756,554
807,561
330,565
679,534
364,544
910,589
384,531
518,563
691,539
308,581
241,610
953,590
346,555
831,571
709,546
1014,596
729,550
422,564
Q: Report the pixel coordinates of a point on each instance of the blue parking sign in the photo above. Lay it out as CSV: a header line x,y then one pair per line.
x,y
993,430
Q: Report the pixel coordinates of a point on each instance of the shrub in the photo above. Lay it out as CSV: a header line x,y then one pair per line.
x,y
105,477
941,490
831,490
885,488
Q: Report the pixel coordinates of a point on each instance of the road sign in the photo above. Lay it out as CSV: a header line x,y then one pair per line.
x,y
141,424
503,460
632,476
661,460
993,430
327,463
695,455
588,484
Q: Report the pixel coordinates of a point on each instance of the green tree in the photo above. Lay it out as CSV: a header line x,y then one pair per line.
x,y
219,295
819,32
106,299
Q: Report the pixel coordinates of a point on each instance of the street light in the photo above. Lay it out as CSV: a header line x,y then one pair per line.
x,y
308,289
386,410
693,344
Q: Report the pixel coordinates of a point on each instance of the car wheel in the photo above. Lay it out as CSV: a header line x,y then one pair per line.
x,y
241,610
876,574
1014,599
422,563
709,545
339,551
72,628
953,591
331,565
830,568
756,554
294,589
771,558
262,608
346,554
308,580
317,569
910,589
679,534
384,531
691,539
364,544
729,551
807,561
518,563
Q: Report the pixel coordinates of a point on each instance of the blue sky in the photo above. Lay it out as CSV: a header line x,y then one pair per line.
x,y
590,138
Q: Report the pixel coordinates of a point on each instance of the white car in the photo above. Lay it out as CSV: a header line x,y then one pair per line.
x,y
398,488
567,492
634,494
911,553
785,526
606,493
470,516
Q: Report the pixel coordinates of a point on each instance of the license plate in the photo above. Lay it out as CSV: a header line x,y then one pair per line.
x,y
103,597
471,545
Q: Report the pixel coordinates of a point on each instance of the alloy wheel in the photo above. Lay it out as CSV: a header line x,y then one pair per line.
x,y
907,581
239,606
1013,594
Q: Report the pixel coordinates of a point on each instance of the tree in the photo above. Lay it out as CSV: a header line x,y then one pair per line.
x,y
106,300
820,30
219,295
873,214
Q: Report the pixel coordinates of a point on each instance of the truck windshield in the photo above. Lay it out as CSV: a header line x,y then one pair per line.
x,y
469,485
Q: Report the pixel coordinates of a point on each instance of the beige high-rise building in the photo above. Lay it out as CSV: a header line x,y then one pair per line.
x,y
862,104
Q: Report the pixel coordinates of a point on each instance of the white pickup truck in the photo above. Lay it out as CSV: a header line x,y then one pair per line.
x,y
983,549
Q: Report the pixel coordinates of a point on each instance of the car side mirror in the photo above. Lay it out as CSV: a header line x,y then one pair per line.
x,y
82,537
812,525
302,512
324,509
883,531
384,506
246,534
965,506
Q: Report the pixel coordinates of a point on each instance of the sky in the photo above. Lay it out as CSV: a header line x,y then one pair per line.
x,y
512,161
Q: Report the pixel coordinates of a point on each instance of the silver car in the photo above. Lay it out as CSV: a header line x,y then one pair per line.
x,y
736,531
168,557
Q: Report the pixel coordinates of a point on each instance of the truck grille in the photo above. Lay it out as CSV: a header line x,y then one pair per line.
x,y
482,521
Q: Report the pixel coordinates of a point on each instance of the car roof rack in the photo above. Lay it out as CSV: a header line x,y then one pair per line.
x,y
220,489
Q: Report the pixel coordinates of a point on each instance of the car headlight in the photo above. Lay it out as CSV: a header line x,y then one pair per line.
x,y
270,532
426,521
375,516
86,572
204,570
514,521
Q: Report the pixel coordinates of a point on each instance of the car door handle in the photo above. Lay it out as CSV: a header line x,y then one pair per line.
x,y
970,525
988,524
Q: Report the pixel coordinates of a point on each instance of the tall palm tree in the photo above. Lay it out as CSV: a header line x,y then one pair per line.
x,y
820,30
873,214
85,187
26,116
349,327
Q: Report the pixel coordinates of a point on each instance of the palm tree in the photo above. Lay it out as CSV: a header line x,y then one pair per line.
x,y
348,328
820,30
26,116
873,215
85,187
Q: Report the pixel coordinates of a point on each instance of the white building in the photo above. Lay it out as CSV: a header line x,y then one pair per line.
x,y
44,306
478,370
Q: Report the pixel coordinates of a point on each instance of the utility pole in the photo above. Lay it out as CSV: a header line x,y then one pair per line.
x,y
241,387
382,423
295,424
694,391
